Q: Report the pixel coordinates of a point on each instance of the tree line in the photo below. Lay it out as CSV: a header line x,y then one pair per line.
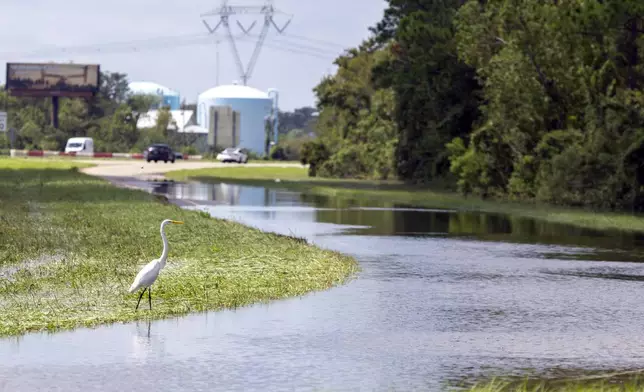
x,y
110,119
520,99
295,129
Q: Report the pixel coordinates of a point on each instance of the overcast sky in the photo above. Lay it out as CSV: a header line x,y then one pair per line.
x,y
322,29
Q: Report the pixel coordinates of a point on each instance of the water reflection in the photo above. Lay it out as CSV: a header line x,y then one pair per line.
x,y
392,219
597,273
225,194
141,341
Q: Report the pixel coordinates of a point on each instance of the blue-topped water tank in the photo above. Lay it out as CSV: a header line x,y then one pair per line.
x,y
252,104
169,97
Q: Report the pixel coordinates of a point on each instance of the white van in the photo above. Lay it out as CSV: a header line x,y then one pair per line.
x,y
80,144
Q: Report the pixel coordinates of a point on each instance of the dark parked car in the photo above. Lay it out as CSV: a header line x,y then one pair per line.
x,y
159,152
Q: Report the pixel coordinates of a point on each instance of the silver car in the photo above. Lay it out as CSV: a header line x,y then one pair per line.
x,y
232,154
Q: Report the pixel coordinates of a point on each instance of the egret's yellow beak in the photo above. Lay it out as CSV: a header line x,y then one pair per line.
x,y
177,222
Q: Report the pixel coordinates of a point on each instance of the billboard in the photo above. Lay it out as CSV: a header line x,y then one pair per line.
x,y
50,79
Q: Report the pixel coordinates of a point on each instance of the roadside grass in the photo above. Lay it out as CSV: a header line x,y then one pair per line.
x,y
294,175
62,158
295,178
239,172
71,244
268,162
25,163
273,162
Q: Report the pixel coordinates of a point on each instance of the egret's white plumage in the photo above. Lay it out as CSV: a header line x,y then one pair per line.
x,y
148,274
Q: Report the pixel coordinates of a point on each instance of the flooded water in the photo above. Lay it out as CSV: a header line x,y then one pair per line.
x,y
442,296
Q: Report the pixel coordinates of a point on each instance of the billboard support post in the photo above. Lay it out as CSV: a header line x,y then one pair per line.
x,y
7,128
55,101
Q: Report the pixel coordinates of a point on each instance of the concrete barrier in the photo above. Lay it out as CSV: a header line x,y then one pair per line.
x,y
107,155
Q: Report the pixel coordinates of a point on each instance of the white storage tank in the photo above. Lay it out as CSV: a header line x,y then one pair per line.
x,y
168,97
252,104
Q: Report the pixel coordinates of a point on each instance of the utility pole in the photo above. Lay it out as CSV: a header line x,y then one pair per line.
x,y
225,11
217,76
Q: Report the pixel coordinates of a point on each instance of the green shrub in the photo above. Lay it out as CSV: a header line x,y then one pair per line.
x,y
314,153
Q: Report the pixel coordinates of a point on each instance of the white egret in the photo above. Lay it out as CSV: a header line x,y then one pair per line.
x,y
150,272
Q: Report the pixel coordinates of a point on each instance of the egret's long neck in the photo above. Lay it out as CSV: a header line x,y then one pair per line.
x,y
166,247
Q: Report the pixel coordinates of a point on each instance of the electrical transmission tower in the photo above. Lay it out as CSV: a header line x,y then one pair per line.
x,y
225,11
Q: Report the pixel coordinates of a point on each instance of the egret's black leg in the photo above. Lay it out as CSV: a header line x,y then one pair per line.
x,y
140,296
150,297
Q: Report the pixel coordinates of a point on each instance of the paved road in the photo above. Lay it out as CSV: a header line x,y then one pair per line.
x,y
142,169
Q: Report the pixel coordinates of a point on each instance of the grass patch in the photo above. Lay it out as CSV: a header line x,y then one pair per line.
x,y
242,173
296,178
72,159
71,245
274,162
25,163
293,176
626,382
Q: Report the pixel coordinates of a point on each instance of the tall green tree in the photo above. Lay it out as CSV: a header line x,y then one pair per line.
x,y
436,93
355,129
563,111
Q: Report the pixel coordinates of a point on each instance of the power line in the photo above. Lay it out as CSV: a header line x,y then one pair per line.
x,y
319,41
106,46
282,41
183,40
303,51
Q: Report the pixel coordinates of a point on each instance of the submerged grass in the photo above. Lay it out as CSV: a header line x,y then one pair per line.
x,y
296,178
71,244
630,383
